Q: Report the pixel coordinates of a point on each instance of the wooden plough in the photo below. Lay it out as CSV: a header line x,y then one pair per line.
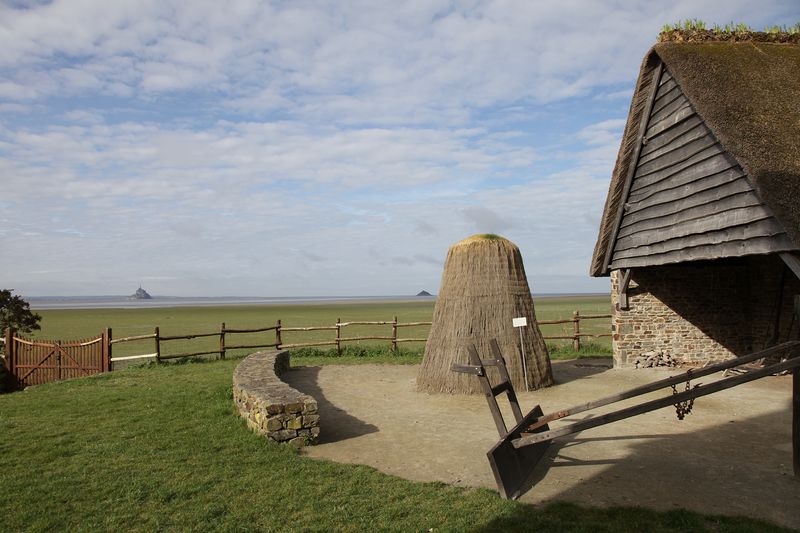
x,y
520,449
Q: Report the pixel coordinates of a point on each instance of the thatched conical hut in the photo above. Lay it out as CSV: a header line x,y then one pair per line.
x,y
483,288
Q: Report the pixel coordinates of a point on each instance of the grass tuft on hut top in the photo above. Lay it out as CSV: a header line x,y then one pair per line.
x,y
696,30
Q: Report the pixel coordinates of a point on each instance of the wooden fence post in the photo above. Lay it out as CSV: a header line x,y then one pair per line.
x,y
157,339
576,326
222,341
394,335
108,347
338,336
278,340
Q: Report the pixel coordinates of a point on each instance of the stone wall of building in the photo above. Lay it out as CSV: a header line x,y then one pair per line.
x,y
270,406
695,312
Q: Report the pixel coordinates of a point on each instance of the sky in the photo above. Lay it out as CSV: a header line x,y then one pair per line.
x,y
303,148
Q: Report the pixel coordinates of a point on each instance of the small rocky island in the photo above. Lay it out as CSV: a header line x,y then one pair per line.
x,y
424,293
140,294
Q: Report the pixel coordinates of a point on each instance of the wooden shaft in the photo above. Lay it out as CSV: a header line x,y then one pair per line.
x,y
659,403
416,339
278,340
409,324
497,416
662,383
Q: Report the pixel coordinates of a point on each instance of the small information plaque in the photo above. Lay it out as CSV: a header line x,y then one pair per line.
x,y
520,322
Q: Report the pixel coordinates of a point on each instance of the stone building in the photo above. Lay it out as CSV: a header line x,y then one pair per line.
x,y
701,227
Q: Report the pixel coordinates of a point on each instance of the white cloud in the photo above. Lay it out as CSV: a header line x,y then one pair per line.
x,y
292,148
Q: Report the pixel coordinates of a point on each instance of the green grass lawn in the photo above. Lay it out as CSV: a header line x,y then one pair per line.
x,y
67,324
159,447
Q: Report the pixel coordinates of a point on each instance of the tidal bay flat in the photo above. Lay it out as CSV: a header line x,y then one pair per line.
x,y
68,324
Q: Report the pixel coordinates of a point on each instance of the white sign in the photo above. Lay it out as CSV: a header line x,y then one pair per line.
x,y
520,322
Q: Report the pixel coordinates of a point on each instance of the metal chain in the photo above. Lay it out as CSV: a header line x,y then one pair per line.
x,y
684,408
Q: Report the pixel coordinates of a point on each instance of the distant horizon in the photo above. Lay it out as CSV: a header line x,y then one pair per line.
x,y
304,297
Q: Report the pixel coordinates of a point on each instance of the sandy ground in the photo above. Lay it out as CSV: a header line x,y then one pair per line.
x,y
731,455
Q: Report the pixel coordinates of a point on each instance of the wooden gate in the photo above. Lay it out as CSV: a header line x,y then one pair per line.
x,y
33,362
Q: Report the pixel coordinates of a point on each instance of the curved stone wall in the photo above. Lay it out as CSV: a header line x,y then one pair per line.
x,y
270,406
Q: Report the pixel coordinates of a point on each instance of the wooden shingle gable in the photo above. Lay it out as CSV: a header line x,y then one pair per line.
x,y
686,197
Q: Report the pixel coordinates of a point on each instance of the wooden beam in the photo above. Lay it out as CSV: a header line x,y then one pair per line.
x,y
622,290
673,380
658,71
660,403
793,262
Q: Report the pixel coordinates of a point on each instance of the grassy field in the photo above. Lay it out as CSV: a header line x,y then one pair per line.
x,y
159,448
66,324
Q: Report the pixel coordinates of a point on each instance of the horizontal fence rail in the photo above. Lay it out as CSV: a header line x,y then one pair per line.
x,y
226,336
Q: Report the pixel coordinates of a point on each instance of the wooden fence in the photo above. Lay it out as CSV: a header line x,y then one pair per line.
x,y
576,328
227,335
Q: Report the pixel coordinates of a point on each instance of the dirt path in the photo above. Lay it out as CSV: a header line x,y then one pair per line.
x,y
731,455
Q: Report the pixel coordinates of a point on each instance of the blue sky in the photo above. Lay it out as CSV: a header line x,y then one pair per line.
x,y
310,148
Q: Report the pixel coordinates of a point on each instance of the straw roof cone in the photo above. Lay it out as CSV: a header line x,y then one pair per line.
x,y
483,288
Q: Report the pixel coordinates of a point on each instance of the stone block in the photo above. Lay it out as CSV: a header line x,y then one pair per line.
x,y
294,423
310,421
310,408
297,442
274,424
294,407
283,434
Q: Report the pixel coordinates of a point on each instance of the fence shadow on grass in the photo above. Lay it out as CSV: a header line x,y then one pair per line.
x,y
335,423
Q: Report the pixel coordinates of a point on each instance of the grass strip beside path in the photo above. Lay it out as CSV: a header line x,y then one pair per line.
x,y
159,447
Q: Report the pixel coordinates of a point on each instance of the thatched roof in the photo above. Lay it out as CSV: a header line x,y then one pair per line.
x,y
483,289
748,94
